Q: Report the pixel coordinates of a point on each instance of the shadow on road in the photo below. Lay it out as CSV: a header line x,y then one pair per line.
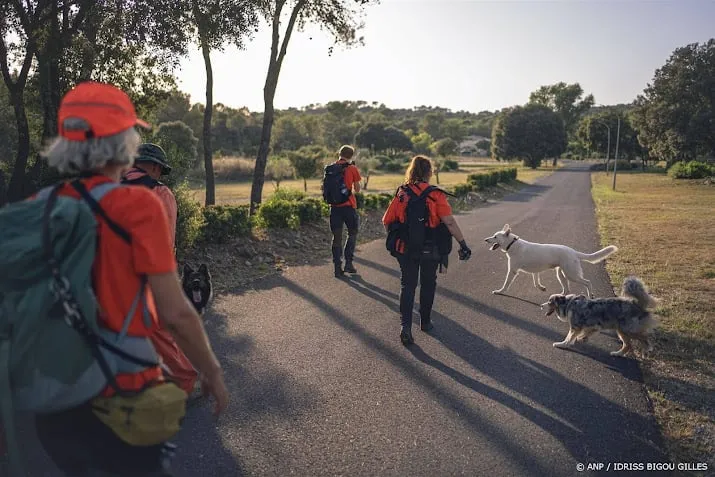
x,y
532,390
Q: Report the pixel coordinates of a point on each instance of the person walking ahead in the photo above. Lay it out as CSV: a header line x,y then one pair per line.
x,y
341,179
420,228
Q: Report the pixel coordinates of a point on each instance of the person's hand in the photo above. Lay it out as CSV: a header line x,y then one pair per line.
x,y
464,251
214,385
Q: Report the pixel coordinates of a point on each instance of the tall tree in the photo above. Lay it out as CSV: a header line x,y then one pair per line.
x,y
531,133
566,100
22,22
339,17
675,116
218,22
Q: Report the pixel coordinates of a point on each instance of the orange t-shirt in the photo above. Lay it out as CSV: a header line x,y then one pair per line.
x,y
352,175
118,266
436,204
167,198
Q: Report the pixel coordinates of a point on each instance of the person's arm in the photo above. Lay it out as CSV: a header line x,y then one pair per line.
x,y
357,186
453,227
184,324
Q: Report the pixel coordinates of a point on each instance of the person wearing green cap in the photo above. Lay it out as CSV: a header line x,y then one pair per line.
x,y
149,165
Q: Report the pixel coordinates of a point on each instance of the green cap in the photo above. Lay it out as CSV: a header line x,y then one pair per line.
x,y
153,153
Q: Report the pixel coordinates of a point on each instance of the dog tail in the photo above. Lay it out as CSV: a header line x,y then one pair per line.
x,y
596,257
634,288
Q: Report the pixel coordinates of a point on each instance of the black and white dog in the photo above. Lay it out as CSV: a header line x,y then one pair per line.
x,y
197,286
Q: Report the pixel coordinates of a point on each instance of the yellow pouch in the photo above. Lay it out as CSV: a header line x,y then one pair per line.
x,y
149,418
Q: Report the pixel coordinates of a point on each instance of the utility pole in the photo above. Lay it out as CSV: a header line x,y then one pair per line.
x,y
615,160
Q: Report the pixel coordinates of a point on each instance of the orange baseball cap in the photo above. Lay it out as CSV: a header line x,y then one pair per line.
x,y
93,109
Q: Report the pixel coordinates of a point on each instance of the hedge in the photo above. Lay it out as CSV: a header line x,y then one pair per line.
x,y
482,180
691,170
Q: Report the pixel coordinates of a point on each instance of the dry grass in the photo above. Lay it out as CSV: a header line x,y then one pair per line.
x,y
238,192
664,230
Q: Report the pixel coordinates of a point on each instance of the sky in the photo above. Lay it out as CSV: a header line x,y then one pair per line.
x,y
464,55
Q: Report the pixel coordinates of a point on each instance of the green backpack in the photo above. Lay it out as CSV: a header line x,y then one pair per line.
x,y
53,353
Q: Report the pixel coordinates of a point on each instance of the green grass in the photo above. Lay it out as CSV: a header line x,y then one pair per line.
x,y
664,230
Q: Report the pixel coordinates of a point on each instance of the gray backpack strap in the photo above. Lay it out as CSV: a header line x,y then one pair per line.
x,y
98,192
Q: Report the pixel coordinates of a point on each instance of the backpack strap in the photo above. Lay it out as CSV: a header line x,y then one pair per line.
x,y
92,198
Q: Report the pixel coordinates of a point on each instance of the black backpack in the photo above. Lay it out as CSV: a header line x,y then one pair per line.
x,y
334,189
420,240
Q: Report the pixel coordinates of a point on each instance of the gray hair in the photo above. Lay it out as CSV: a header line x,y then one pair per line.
x,y
94,153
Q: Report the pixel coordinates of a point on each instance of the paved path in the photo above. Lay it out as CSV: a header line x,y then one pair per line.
x,y
322,386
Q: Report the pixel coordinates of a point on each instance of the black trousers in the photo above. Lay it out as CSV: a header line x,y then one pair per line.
x,y
413,270
339,217
81,445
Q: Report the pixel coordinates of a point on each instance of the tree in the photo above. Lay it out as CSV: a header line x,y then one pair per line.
x,y
307,162
396,140
288,134
445,147
455,129
339,17
565,100
421,142
279,169
593,133
218,22
368,166
23,22
531,133
432,124
675,114
178,141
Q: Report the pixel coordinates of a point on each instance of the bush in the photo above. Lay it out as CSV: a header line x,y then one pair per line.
x,y
393,166
312,210
279,213
360,200
461,190
482,180
233,168
690,170
290,209
374,201
450,165
190,221
224,222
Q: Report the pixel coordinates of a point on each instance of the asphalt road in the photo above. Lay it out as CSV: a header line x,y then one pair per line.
x,y
321,384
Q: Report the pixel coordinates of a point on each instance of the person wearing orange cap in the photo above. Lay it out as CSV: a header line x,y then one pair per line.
x,y
98,141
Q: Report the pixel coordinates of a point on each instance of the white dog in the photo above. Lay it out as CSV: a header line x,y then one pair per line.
x,y
536,257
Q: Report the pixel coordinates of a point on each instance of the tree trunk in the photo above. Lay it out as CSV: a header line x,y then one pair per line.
x,y
208,111
305,184
18,188
259,173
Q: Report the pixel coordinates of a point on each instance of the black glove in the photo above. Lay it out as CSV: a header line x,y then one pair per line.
x,y
464,251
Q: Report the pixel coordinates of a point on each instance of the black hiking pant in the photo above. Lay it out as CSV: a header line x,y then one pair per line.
x,y
81,445
343,216
413,270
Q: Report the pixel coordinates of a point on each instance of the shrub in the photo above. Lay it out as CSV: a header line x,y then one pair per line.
x,y
461,190
393,166
279,213
224,222
190,220
690,170
360,200
233,168
312,210
450,165
288,194
623,165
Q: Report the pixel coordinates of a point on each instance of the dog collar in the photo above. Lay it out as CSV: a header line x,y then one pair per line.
x,y
512,243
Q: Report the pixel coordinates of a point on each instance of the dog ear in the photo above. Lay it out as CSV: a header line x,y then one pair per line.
x,y
506,229
204,269
187,270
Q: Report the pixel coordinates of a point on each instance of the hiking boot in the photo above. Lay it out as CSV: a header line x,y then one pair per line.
x,y
339,273
349,268
406,337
